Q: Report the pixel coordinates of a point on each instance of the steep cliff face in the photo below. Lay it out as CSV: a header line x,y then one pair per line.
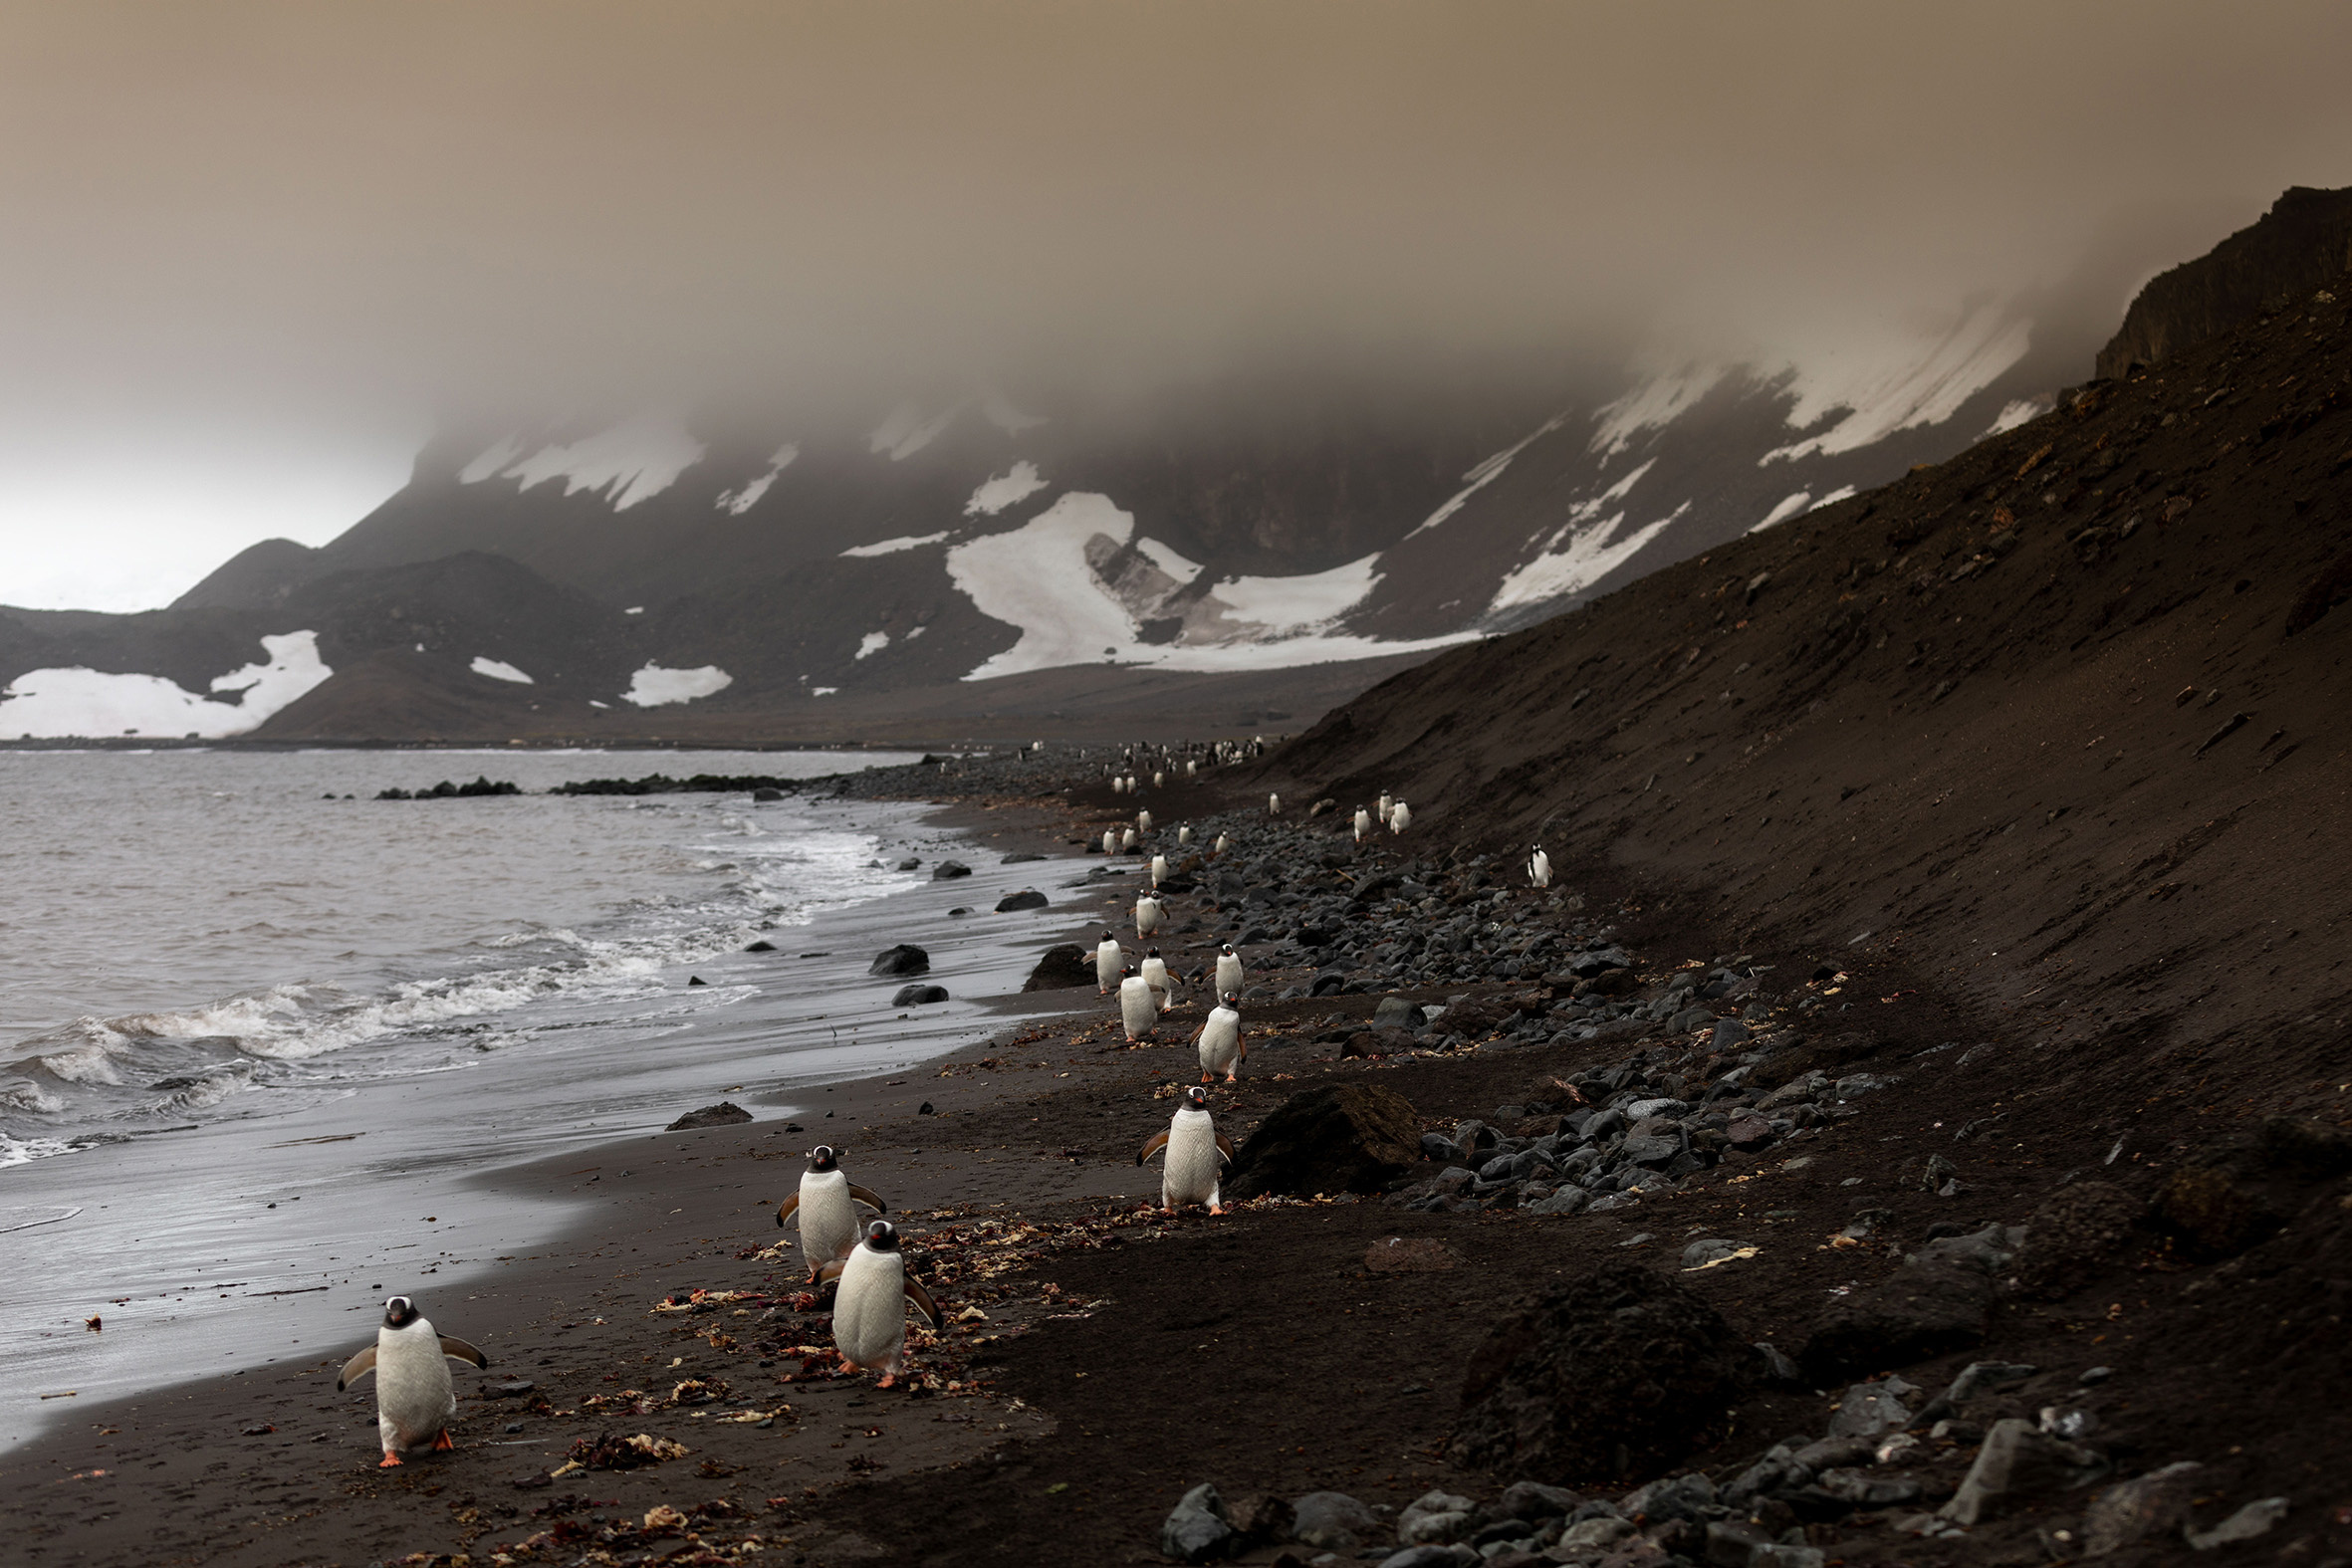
x,y
2301,245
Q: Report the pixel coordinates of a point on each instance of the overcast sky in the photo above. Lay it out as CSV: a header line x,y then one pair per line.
x,y
254,253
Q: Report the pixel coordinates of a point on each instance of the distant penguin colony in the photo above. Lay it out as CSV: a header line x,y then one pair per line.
x,y
415,1397
1540,868
1196,1155
825,1208
1220,1041
871,1301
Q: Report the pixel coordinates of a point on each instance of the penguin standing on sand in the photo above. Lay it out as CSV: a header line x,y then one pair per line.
x,y
415,1397
825,1204
1363,824
1155,975
1228,970
1219,848
1183,833
1139,1010
1111,959
1274,806
1196,1152
1143,822
1400,817
1159,869
1540,867
1149,913
869,1308
1110,840
1220,1041
1128,843
1388,804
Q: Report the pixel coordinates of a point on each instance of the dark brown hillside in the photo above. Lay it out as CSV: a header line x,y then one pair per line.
x,y
2059,719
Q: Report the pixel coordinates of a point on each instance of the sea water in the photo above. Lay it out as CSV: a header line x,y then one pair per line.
x,y
251,1017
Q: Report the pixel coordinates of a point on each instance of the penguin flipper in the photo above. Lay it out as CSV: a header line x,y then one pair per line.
x,y
1225,1148
922,1300
458,1350
1151,1146
786,1210
355,1369
861,1195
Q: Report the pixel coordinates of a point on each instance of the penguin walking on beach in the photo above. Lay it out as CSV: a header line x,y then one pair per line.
x,y
1143,822
1139,1009
1540,868
1220,1041
1363,824
1228,970
1110,840
1110,960
1155,975
1388,804
1196,1153
1400,817
415,1397
1159,869
1183,834
1274,806
1219,848
869,1307
827,1207
1149,914
1128,843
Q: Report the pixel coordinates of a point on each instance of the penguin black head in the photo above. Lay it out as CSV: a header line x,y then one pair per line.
x,y
1233,998
820,1159
1110,936
1196,1098
881,1235
1151,952
399,1312
1227,951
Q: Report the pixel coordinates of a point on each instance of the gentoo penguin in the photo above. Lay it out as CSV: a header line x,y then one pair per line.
x,y
415,1397
1363,824
1220,1041
1159,869
828,1221
1110,840
1139,1009
1183,834
1400,817
1274,806
869,1308
1192,768
1387,802
1143,822
1109,960
1155,975
1228,970
1159,779
1218,848
1149,912
1127,841
1540,867
1196,1150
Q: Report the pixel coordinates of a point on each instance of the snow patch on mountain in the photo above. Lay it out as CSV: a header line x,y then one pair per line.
x,y
1887,385
69,703
891,546
1590,553
999,411
2017,412
1037,577
653,686
1003,490
735,503
1662,397
499,670
872,643
1290,605
1485,473
907,431
628,463
1160,555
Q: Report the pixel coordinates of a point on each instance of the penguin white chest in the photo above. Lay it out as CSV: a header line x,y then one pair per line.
x,y
827,1216
1220,1041
869,1308
1107,965
415,1397
1139,1010
1191,1172
1229,973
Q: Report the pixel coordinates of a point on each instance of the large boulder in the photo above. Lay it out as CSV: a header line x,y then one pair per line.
x,y
1061,967
1338,1138
904,959
1618,1374
949,870
919,995
2079,1230
2020,1464
1027,898
724,1114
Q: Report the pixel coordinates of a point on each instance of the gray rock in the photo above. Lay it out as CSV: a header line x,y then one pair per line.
x,y
2255,1519
1990,1252
724,1114
1856,1086
1027,898
1019,856
1565,1200
1830,1452
904,959
1197,1531
1395,1013
1584,965
1865,1491
1333,1521
1778,1469
1870,1409
1603,1532
2135,1509
1689,1019
1777,1367
1661,1105
1433,1557
919,995
1776,1555
1438,1147
1707,1250
1533,1500
1653,1142
1675,1498
910,864
1434,1517
1981,1377
2018,1465
1922,1309
1730,1034
947,871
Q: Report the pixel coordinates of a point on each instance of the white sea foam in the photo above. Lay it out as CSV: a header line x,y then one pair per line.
x,y
653,686
76,702
499,670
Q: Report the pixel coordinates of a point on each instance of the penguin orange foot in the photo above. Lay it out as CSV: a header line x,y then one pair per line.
x,y
389,1460
444,1442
